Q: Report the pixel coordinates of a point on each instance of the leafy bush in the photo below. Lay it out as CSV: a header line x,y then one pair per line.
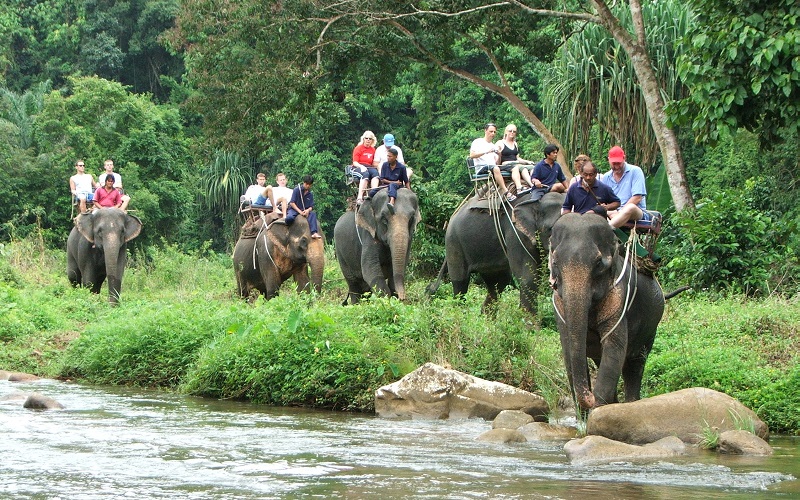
x,y
728,243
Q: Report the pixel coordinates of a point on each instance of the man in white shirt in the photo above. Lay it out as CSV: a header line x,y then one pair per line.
x,y
108,166
251,195
81,185
280,195
485,153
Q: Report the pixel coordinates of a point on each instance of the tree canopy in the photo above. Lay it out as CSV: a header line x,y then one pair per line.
x,y
743,69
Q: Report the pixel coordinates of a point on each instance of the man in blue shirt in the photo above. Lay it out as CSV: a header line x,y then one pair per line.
x,y
302,203
548,172
627,182
394,175
589,194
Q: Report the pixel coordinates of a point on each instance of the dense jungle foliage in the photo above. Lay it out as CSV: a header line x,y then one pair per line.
x,y
191,100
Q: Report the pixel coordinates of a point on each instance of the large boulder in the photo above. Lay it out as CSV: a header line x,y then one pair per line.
x,y
597,449
432,391
38,401
742,443
4,375
683,413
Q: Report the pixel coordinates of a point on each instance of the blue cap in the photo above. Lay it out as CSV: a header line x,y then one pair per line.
x,y
388,139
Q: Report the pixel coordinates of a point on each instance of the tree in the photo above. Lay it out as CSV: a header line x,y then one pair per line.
x,y
484,43
743,69
594,98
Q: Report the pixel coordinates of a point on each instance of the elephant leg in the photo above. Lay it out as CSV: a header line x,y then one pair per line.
x,y
609,370
494,286
632,373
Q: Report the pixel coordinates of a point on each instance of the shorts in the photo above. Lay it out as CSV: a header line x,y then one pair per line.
x,y
646,216
507,167
83,196
364,172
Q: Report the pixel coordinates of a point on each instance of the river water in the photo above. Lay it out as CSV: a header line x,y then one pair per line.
x,y
117,442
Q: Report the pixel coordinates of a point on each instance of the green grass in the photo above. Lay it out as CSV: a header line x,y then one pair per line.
x,y
180,326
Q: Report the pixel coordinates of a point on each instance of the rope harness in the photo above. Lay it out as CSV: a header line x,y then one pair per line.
x,y
263,232
629,265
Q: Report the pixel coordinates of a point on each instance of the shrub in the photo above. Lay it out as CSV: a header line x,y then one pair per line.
x,y
727,243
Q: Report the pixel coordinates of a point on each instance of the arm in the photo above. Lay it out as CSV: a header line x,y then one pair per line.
x,y
635,199
72,187
356,155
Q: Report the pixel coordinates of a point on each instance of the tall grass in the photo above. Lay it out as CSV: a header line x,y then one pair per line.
x,y
181,326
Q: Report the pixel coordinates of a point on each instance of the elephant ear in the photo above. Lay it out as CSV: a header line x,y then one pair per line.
x,y
85,225
365,217
133,226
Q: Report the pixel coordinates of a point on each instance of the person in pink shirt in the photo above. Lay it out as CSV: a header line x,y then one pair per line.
x,y
107,196
362,168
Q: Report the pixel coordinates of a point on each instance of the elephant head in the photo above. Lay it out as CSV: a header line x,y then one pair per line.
x,y
108,230
605,309
386,241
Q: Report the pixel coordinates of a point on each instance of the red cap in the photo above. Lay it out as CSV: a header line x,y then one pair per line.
x,y
616,154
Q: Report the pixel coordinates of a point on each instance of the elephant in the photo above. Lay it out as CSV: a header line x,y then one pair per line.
x,y
269,251
606,309
499,245
373,245
96,249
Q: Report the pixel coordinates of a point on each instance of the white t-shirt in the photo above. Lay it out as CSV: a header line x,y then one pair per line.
x,y
253,192
117,179
83,183
480,144
282,192
381,156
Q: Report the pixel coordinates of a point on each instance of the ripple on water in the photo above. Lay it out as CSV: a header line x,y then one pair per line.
x,y
111,442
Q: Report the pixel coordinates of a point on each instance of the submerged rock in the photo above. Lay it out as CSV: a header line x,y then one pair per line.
x,y
511,419
432,391
21,377
598,449
541,431
683,413
502,436
38,401
742,443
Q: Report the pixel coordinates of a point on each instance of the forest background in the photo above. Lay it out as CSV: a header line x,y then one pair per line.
x,y
192,98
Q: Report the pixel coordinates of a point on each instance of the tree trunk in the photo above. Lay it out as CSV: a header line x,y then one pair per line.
x,y
651,90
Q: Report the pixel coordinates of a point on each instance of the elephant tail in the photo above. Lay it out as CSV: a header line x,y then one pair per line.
x,y
676,292
431,290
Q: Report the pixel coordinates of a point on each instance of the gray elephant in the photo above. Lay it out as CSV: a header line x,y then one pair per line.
x,y
96,249
499,245
268,252
605,309
373,245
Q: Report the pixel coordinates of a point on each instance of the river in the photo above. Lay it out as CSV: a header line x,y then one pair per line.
x,y
114,442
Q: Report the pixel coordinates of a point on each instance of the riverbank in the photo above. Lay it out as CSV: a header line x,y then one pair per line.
x,y
181,327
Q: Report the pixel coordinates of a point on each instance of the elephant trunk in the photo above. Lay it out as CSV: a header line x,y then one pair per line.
x,y
400,246
113,252
316,261
574,308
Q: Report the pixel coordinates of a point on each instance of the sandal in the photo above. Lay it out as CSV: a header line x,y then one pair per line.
x,y
509,196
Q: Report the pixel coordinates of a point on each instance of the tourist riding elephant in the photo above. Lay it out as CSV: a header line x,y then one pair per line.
x,y
476,237
96,249
605,309
373,245
268,252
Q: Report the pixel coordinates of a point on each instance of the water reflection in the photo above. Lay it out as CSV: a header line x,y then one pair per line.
x,y
111,442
